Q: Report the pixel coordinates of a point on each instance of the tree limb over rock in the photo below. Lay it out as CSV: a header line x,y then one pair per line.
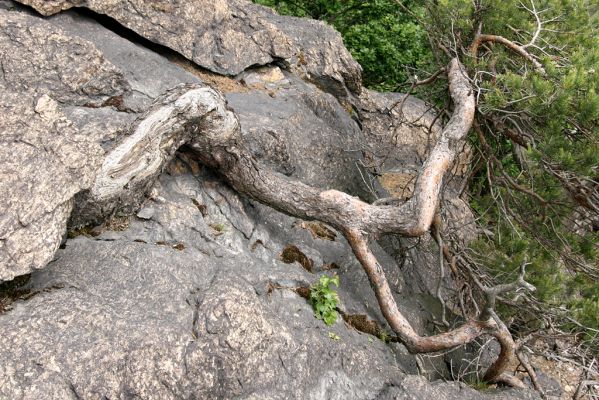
x,y
199,117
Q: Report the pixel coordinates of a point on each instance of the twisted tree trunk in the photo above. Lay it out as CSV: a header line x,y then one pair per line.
x,y
198,116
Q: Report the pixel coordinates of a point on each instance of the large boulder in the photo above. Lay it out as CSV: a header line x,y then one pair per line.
x,y
170,284
65,107
228,36
45,159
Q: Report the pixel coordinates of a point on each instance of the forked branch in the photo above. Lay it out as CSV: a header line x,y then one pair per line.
x,y
520,50
203,122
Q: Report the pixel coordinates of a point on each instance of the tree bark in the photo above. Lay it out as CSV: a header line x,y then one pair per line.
x,y
212,131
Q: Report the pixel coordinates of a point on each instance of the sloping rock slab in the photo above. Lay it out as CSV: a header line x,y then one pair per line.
x,y
171,308
176,315
228,36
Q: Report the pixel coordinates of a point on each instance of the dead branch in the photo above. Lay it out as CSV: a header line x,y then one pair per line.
x,y
523,359
437,233
521,51
357,219
212,132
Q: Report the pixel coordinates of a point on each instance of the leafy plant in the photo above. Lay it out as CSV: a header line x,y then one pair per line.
x,y
324,300
384,336
388,43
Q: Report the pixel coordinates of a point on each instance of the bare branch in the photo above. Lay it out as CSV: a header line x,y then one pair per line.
x,y
537,31
214,137
492,293
479,39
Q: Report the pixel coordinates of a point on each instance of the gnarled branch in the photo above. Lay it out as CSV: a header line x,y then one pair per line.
x,y
200,118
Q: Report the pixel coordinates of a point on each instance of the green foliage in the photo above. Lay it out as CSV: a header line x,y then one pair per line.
x,y
388,43
559,114
324,300
384,336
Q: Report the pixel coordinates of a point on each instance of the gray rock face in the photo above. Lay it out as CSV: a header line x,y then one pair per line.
x,y
45,159
302,132
31,51
114,324
172,308
228,36
190,297
99,117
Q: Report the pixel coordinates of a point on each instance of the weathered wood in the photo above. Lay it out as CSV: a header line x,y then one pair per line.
x,y
201,118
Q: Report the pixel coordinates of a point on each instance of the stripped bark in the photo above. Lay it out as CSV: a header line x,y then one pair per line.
x,y
357,219
340,210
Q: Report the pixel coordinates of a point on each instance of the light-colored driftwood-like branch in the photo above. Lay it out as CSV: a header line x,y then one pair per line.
x,y
357,219
199,118
520,50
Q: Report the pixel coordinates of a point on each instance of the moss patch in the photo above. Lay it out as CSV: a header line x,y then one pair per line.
x,y
319,230
201,207
292,254
364,324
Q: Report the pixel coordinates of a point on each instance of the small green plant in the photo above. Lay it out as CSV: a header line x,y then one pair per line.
x,y
334,336
220,228
324,300
384,336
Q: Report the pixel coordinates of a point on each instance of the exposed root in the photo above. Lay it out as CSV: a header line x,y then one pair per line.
x,y
199,117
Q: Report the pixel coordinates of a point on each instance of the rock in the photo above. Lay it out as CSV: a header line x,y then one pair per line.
x,y
190,298
167,309
42,168
417,387
44,165
302,132
74,119
145,213
107,316
104,119
263,77
228,36
147,73
31,51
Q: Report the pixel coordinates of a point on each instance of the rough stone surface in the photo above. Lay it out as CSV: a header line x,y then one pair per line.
x,y
76,105
188,296
46,160
171,308
304,133
32,49
228,36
